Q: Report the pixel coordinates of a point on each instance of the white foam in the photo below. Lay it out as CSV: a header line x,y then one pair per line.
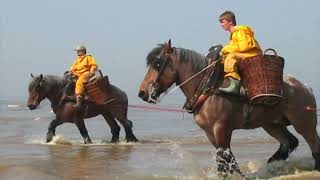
x,y
57,140
62,140
37,118
13,105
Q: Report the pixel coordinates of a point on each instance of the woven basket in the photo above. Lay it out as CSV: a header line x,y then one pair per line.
x,y
97,89
263,77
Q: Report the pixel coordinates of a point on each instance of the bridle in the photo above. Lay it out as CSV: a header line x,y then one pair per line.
x,y
167,59
155,85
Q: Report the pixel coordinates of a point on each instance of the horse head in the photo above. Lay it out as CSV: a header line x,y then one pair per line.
x,y
161,75
36,91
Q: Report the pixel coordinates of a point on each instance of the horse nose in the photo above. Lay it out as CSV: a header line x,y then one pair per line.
x,y
31,106
143,95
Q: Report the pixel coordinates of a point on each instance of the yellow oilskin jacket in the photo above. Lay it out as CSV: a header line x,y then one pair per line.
x,y
242,41
82,64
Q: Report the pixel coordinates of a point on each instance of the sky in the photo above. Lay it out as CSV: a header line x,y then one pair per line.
x,y
38,36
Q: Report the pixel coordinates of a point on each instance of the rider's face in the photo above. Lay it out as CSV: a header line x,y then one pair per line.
x,y
225,24
80,52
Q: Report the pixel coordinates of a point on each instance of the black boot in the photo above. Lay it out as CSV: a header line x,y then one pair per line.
x,y
233,88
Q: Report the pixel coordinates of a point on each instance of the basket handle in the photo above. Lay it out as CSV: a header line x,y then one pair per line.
x,y
270,49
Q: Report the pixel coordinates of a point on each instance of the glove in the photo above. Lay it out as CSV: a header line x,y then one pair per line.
x,y
92,73
223,54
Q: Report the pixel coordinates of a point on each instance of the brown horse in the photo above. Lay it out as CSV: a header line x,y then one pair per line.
x,y
52,88
220,115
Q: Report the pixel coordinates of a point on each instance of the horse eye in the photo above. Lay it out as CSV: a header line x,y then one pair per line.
x,y
157,65
39,87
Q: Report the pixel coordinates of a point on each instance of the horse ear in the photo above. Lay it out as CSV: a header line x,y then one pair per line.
x,y
32,76
170,49
41,77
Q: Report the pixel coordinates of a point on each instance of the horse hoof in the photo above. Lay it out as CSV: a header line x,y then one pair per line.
x,y
316,157
87,141
49,138
281,154
115,140
132,139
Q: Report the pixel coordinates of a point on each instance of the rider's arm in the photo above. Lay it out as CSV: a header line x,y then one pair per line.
x,y
93,64
73,67
241,42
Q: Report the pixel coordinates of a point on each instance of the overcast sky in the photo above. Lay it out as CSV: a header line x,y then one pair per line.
x,y
39,36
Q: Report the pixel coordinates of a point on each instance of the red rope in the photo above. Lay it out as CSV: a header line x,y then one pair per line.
x,y
156,108
308,108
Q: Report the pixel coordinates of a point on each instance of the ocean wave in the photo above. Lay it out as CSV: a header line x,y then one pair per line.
x,y
16,107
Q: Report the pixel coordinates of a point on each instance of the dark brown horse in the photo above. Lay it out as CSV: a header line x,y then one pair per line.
x,y
220,115
52,88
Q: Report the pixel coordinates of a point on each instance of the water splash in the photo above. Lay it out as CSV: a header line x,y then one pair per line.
x,y
294,167
62,140
57,140
184,163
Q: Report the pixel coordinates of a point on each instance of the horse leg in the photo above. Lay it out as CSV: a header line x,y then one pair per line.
x,y
83,131
210,136
288,142
313,140
52,129
127,124
225,159
305,123
115,128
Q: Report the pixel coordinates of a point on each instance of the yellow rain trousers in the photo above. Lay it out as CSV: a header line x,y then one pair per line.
x,y
82,67
242,45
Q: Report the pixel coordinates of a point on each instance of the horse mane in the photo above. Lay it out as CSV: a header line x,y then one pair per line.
x,y
49,81
197,60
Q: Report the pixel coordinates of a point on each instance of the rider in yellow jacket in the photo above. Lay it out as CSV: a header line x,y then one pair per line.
x,y
242,45
83,66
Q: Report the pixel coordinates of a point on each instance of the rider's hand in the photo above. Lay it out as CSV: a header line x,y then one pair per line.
x,y
222,53
92,73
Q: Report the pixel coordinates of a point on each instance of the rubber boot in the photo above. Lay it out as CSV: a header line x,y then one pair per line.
x,y
233,88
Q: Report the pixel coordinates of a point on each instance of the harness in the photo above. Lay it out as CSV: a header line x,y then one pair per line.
x,y
206,84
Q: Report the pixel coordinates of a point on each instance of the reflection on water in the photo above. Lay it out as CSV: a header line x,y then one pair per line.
x,y
170,148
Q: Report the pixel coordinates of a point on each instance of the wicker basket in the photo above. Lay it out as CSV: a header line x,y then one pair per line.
x,y
263,78
97,89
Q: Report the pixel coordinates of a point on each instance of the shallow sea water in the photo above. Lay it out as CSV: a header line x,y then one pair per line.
x,y
171,146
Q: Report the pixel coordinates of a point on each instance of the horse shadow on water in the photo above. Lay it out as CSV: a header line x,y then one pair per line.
x,y
54,88
220,115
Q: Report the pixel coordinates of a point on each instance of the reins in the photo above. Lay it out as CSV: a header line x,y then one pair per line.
x,y
192,77
67,85
188,80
